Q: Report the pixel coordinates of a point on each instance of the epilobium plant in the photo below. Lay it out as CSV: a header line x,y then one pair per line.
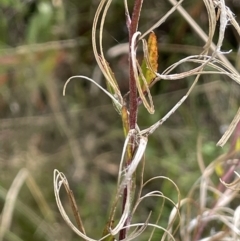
x,y
142,76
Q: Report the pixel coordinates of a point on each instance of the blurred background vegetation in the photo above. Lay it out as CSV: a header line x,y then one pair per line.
x,y
42,44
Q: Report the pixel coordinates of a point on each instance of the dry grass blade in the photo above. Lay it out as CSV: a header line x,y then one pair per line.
x,y
130,134
196,71
134,164
158,194
230,129
202,34
124,178
103,65
152,128
212,24
7,212
127,182
223,24
58,181
138,230
202,60
125,213
194,222
75,209
116,102
170,236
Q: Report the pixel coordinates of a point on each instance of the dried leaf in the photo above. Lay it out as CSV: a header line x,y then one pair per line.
x,y
150,62
230,129
112,85
138,74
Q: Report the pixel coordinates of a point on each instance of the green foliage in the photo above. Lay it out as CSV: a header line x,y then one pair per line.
x,y
41,26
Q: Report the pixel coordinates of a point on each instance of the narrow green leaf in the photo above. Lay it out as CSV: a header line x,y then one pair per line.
x,y
106,232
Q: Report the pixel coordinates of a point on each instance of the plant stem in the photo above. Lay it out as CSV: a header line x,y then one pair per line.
x,y
133,101
133,105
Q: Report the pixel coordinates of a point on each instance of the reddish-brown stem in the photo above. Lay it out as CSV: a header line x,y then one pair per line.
x,y
133,106
133,101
